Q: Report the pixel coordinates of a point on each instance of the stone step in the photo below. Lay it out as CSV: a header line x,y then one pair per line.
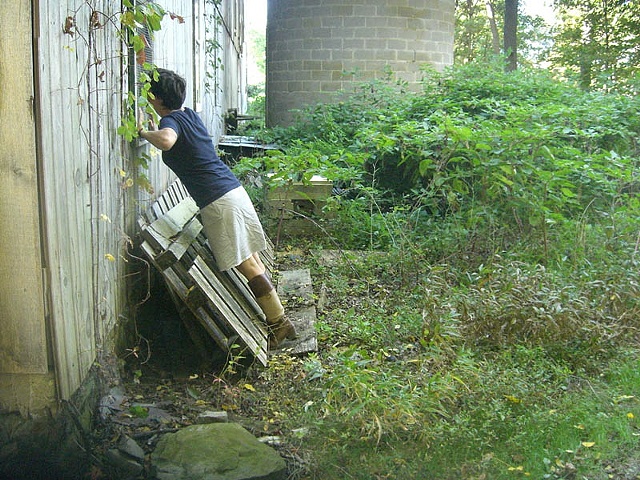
x,y
296,291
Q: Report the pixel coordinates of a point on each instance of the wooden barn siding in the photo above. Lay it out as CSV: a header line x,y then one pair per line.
x,y
81,156
108,198
23,348
213,103
235,68
86,216
228,90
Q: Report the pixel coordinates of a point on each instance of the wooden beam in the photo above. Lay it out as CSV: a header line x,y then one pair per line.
x,y
23,336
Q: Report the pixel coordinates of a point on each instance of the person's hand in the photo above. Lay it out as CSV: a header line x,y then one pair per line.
x,y
146,121
141,120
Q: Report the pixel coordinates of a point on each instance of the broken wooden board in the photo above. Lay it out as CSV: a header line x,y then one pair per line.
x,y
179,246
163,231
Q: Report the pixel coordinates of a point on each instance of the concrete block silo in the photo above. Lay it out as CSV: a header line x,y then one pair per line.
x,y
316,48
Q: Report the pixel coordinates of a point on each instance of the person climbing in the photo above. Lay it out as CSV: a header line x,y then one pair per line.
x,y
229,219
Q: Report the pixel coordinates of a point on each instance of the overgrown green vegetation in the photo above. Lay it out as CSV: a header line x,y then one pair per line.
x,y
487,327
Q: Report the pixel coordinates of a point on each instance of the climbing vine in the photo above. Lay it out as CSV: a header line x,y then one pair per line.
x,y
135,24
140,21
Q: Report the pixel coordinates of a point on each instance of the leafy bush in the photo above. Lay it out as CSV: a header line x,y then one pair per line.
x,y
500,156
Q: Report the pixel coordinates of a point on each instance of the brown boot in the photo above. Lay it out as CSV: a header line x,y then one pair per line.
x,y
279,331
269,301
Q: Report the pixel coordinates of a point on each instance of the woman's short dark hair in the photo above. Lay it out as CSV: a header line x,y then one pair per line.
x,y
170,87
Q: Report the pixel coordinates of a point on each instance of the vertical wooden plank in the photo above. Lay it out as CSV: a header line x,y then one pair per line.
x,y
63,61
23,344
106,161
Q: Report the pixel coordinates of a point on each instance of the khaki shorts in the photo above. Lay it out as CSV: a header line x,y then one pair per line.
x,y
233,229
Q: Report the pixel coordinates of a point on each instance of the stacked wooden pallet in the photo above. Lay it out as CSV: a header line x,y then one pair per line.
x,y
218,302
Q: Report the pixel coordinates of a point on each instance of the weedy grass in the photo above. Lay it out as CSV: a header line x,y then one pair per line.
x,y
460,376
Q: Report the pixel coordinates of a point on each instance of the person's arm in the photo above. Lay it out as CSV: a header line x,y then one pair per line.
x,y
163,139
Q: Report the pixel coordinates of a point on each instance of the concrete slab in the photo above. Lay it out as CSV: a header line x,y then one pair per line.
x,y
295,288
296,285
304,321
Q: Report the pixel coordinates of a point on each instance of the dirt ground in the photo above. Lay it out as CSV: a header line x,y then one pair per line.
x,y
166,385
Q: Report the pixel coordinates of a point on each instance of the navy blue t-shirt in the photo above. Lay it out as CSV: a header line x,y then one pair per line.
x,y
194,160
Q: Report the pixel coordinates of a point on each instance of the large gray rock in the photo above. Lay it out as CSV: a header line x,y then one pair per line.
x,y
220,451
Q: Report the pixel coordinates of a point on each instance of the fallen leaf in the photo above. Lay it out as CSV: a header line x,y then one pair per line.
x,y
174,16
192,393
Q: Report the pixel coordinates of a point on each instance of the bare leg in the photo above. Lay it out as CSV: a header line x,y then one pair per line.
x,y
252,267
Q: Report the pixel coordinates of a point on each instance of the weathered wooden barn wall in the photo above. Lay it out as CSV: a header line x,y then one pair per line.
x,y
318,48
222,72
69,180
234,81
79,75
25,380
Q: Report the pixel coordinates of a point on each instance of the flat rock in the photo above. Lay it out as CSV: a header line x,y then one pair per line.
x,y
296,284
218,451
212,417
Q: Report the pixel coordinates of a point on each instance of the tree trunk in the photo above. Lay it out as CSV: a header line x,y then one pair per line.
x,y
495,39
510,34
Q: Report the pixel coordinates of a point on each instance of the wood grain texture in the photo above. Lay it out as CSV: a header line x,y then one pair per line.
x,y
23,342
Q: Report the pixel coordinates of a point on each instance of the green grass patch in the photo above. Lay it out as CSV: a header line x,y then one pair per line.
x,y
504,416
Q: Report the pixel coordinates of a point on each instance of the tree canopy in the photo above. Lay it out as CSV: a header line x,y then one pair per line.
x,y
594,43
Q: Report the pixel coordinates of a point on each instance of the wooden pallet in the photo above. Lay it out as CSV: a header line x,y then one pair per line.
x,y
213,304
220,303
